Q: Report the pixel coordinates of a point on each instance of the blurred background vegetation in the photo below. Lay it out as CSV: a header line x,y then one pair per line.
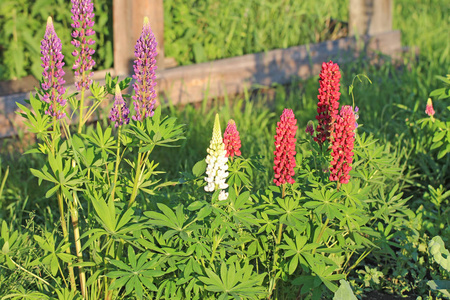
x,y
391,108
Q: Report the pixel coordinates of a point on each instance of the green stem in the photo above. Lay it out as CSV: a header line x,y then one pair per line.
x,y
66,239
116,170
142,158
29,273
76,234
277,242
136,179
81,121
321,233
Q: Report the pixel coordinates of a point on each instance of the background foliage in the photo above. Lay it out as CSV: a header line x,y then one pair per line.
x,y
391,110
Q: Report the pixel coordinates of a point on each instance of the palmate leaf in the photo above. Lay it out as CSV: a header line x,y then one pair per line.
x,y
235,281
156,132
299,251
325,201
35,120
137,275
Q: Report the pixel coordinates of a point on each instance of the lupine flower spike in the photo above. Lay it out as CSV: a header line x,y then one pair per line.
x,y
285,148
83,21
429,110
232,140
52,62
310,128
342,141
119,112
217,163
144,73
328,105
355,111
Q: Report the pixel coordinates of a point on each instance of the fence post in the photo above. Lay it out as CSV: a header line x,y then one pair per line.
x,y
369,17
128,17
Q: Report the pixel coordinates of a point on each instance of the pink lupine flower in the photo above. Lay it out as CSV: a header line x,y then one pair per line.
x,y
144,73
429,110
310,128
285,148
119,112
328,105
83,21
232,140
52,62
342,141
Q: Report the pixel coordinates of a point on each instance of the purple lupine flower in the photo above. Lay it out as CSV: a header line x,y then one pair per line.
x,y
355,111
119,112
310,128
144,73
83,20
52,62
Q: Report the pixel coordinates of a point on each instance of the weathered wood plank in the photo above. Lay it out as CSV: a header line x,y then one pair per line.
x,y
369,17
231,76
187,84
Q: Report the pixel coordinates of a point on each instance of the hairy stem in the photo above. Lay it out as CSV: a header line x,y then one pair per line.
x,y
76,234
81,121
66,239
116,170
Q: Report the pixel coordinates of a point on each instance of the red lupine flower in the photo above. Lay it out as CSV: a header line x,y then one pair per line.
x,y
232,140
285,148
328,106
429,110
342,140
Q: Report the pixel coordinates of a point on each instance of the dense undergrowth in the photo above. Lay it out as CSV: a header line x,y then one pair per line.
x,y
405,206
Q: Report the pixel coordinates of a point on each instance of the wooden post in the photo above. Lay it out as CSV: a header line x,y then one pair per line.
x,y
369,17
128,18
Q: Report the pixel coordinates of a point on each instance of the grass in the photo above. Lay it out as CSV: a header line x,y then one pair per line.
x,y
397,95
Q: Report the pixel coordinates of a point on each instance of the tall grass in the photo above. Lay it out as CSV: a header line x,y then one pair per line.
x,y
198,31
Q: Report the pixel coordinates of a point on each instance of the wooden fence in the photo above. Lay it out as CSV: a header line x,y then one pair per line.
x,y
371,20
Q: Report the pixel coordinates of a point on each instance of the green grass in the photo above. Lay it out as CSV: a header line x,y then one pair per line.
x,y
198,31
397,95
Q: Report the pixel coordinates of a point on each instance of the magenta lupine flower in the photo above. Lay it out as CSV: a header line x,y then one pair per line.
x,y
310,128
83,21
144,73
429,110
328,105
232,140
342,141
52,62
285,148
119,112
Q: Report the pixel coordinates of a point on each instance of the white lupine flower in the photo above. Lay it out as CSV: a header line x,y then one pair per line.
x,y
216,161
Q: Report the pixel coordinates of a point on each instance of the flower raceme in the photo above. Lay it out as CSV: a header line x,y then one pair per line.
x,y
83,21
119,112
144,73
232,140
429,110
328,105
52,62
285,148
216,161
310,128
342,142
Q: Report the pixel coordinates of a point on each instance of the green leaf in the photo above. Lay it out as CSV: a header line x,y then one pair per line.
x,y
199,168
344,291
439,252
